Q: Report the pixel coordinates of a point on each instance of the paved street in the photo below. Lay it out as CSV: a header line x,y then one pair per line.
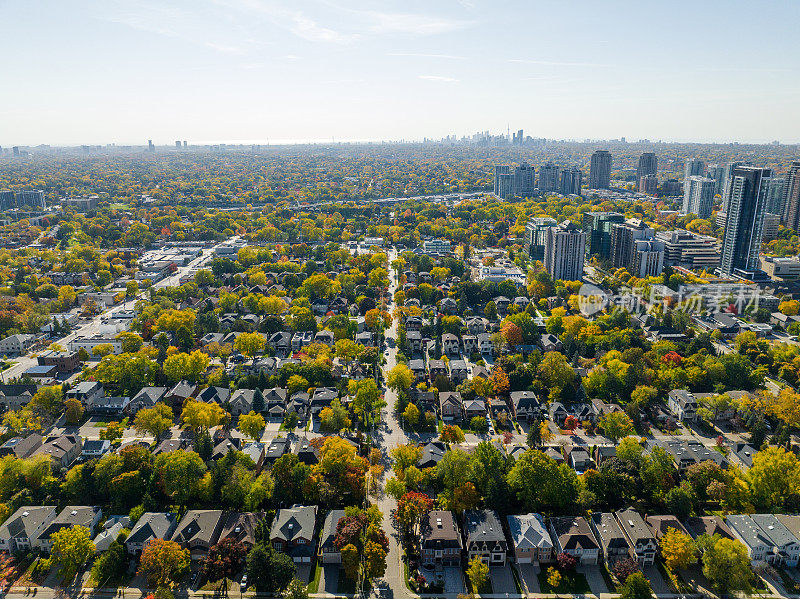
x,y
391,435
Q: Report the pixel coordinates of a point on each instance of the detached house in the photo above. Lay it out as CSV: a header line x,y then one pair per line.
x,y
682,404
24,525
198,531
451,345
458,371
450,406
524,405
613,542
328,552
72,515
573,535
440,543
484,537
639,536
292,532
530,539
151,525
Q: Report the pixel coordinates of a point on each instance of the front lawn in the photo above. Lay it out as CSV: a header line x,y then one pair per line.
x,y
572,583
314,584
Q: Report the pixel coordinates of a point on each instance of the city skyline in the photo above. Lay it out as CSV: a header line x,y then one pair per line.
x,y
266,70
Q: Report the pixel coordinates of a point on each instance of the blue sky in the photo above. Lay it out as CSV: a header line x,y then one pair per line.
x,y
211,70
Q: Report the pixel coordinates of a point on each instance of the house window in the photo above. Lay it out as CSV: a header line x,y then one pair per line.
x,y
278,546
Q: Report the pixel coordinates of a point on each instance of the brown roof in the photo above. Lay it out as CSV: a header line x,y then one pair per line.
x,y
707,525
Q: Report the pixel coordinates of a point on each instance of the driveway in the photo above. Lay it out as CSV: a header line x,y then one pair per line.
x,y
454,580
329,579
529,573
657,582
502,580
597,583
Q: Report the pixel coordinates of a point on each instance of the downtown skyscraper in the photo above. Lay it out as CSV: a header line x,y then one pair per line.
x,y
698,196
744,222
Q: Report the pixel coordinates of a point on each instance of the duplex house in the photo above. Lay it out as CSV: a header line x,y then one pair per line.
x,y
72,515
325,337
684,453
573,535
639,536
151,525
301,339
292,532
484,537
440,542
477,325
759,545
23,526
785,546
328,552
198,531
470,344
530,539
613,542
682,404
450,405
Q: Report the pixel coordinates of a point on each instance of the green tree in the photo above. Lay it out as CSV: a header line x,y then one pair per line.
x,y
367,400
180,473
268,570
296,590
635,587
616,425
110,565
73,411
726,565
540,482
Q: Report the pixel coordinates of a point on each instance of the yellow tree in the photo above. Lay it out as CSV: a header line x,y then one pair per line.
x,y
677,549
251,425
249,344
199,415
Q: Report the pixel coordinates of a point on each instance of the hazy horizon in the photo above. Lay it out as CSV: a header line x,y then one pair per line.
x,y
100,72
